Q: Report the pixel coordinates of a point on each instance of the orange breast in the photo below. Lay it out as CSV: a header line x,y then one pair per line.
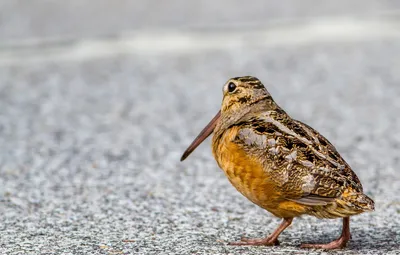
x,y
249,177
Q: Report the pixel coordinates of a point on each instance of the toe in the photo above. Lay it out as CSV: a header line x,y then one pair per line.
x,y
260,242
311,246
338,244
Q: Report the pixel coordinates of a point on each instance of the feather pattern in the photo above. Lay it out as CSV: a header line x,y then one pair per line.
x,y
300,164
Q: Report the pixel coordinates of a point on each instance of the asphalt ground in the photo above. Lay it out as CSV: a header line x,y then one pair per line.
x,y
94,119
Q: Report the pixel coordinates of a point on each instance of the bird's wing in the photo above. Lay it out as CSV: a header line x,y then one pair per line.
x,y
303,163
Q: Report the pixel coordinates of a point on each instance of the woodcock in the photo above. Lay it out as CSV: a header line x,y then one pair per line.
x,y
279,163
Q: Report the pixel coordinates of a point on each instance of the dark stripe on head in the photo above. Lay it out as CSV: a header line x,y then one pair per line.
x,y
244,99
256,84
251,81
248,79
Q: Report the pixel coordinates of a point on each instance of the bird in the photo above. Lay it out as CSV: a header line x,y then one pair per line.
x,y
280,164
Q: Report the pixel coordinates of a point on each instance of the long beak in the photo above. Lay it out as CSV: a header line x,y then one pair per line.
x,y
202,136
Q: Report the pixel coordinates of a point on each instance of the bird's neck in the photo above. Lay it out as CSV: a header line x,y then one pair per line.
x,y
229,119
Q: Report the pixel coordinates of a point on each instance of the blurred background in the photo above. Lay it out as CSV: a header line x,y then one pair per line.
x,y
98,99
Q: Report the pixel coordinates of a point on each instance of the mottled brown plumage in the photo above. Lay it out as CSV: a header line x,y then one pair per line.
x,y
279,163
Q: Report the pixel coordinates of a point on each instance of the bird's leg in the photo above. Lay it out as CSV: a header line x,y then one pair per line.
x,y
269,240
338,243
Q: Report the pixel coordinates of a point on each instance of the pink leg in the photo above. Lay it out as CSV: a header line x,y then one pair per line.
x,y
269,240
338,243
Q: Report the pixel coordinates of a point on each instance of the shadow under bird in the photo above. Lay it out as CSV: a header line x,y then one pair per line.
x,y
279,163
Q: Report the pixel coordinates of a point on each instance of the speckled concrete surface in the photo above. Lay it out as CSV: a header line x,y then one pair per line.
x,y
90,149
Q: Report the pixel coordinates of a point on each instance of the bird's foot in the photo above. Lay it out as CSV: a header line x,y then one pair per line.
x,y
262,241
337,244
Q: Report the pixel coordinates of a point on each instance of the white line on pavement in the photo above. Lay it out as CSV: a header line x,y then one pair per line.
x,y
314,31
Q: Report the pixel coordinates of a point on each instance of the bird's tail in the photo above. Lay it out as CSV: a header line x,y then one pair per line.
x,y
359,200
365,202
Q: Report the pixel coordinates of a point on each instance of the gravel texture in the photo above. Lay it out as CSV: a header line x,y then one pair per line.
x,y
90,149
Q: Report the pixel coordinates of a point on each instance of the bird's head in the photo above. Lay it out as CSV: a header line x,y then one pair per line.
x,y
240,94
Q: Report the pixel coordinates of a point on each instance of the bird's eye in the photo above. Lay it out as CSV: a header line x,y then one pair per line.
x,y
231,87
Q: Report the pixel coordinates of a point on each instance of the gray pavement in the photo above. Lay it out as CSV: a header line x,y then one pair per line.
x,y
81,18
92,128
